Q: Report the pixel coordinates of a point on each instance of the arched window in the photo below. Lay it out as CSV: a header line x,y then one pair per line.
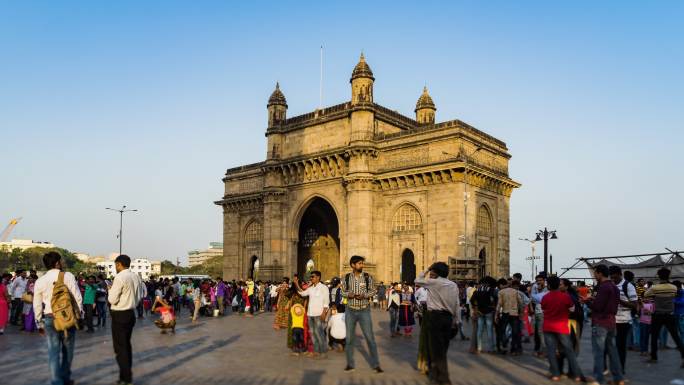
x,y
484,222
254,232
406,218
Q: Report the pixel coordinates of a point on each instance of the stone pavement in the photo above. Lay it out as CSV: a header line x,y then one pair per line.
x,y
238,350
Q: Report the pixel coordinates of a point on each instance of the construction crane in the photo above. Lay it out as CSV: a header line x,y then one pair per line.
x,y
6,232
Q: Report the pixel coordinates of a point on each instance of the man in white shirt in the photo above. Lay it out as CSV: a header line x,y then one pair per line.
x,y
126,291
445,317
319,299
623,318
16,289
60,343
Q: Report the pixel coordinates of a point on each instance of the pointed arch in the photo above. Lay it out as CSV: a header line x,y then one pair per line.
x,y
254,231
406,218
484,221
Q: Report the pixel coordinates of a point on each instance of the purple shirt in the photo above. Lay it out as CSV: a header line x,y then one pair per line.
x,y
605,305
221,289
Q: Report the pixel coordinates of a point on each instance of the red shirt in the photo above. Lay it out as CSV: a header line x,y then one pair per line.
x,y
556,306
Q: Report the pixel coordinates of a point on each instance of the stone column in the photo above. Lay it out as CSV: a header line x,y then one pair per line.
x,y
231,242
275,244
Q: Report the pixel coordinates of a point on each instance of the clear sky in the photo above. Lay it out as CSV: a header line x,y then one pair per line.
x,y
147,104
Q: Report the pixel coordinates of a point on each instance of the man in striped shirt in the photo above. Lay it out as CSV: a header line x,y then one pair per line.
x,y
358,288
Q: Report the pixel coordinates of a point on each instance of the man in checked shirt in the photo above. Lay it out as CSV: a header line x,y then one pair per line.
x,y
358,288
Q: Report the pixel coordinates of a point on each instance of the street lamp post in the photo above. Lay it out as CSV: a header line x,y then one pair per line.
x,y
532,257
545,235
121,213
465,200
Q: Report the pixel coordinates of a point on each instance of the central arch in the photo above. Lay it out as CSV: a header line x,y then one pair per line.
x,y
408,266
318,246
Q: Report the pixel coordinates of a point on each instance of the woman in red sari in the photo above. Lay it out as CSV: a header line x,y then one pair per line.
x,y
4,303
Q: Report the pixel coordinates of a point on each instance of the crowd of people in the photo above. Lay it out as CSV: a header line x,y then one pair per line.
x,y
623,314
319,316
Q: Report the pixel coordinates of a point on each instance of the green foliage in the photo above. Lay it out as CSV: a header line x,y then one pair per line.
x,y
32,258
212,267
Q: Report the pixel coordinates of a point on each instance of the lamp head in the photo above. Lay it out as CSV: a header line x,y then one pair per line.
x,y
539,238
553,235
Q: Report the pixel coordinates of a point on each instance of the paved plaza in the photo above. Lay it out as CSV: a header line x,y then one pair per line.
x,y
238,350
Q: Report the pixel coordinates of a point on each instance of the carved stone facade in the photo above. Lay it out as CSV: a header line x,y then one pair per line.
x,y
358,178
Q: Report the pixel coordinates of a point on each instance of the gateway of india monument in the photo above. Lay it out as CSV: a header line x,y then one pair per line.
x,y
358,178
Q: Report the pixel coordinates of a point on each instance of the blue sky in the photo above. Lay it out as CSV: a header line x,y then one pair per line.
x,y
147,104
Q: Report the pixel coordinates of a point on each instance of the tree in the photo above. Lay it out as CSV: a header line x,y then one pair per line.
x,y
32,259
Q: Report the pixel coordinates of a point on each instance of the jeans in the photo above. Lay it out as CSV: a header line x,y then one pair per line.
x,y
621,337
636,332
318,334
60,352
553,340
122,329
485,325
298,340
501,334
439,334
670,322
474,333
603,340
89,309
101,313
16,311
538,334
363,318
140,309
394,320
514,321
644,333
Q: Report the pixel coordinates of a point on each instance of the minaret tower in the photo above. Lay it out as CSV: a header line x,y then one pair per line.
x,y
359,178
277,107
425,108
362,83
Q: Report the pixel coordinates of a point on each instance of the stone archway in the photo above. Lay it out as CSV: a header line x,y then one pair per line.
x,y
253,267
482,257
319,240
408,266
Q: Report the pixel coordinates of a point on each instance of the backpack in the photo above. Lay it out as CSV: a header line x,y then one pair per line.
x,y
63,306
625,287
484,300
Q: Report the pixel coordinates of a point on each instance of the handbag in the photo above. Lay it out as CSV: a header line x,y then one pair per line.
x,y
27,298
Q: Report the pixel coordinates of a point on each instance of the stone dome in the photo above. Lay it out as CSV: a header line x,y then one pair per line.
x,y
362,70
425,101
277,97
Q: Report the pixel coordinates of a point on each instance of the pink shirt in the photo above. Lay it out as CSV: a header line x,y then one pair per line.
x,y
646,311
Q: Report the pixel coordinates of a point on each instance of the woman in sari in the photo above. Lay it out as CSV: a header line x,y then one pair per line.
x,y
4,303
282,310
29,319
406,308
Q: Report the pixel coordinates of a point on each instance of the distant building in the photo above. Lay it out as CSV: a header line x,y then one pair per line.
x,y
141,266
24,244
197,257
87,258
